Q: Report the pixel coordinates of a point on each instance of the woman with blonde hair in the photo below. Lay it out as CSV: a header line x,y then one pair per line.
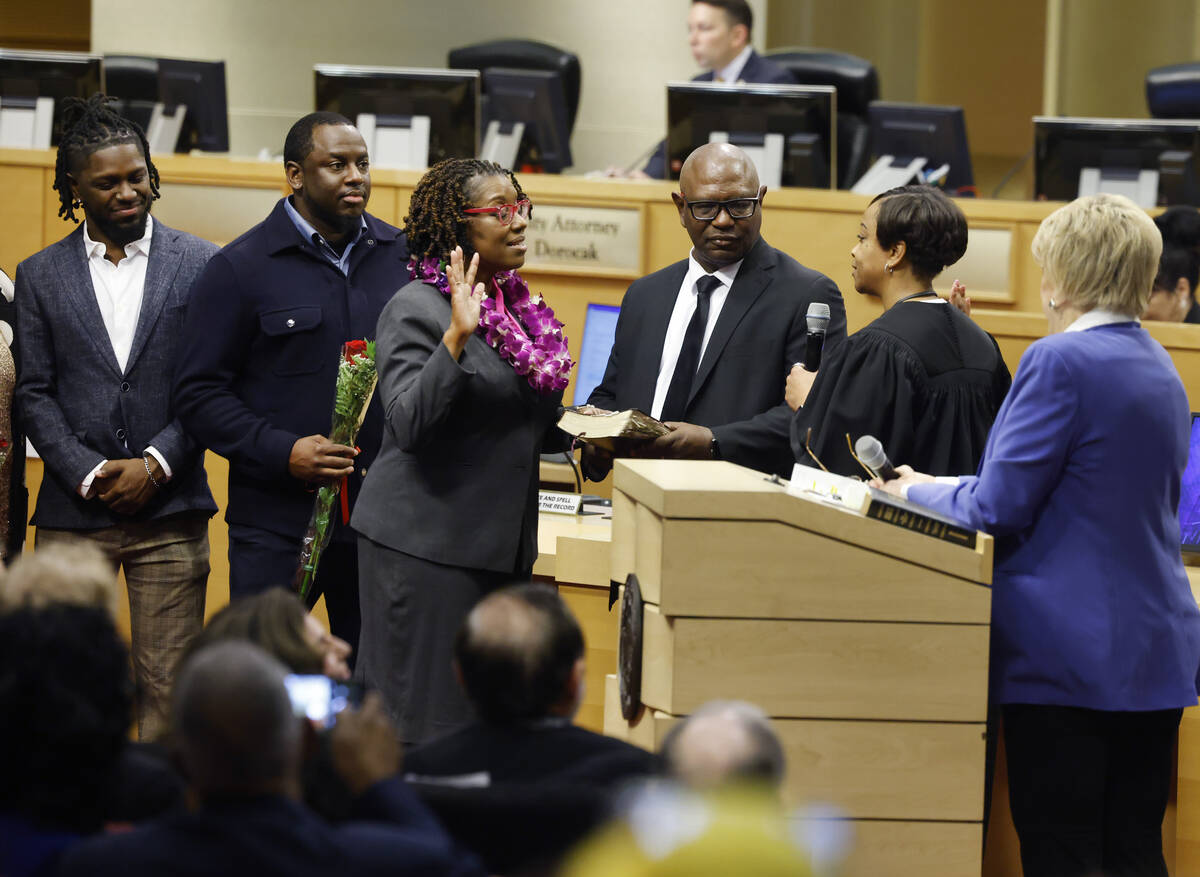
x,y
1095,633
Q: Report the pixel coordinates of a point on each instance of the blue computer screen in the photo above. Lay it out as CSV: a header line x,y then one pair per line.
x,y
1189,496
599,328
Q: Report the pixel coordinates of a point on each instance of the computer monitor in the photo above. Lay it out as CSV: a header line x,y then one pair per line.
x,y
447,101
1154,162
789,130
937,134
1189,494
599,330
26,76
149,89
537,99
200,86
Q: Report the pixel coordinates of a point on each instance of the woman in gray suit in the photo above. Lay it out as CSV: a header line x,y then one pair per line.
x,y
471,372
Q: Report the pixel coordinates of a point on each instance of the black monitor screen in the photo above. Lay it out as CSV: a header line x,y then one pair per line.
x,y
1189,494
49,74
1119,149
200,86
450,98
806,116
937,134
537,98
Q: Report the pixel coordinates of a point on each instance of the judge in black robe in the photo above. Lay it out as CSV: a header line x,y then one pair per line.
x,y
922,378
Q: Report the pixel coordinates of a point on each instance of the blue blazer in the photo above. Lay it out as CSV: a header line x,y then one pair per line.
x,y
1079,482
757,69
259,356
73,399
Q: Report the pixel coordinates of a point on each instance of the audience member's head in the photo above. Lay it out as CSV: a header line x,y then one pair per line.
x,y
718,31
723,743
65,707
1174,291
520,656
76,573
720,204
235,734
277,622
1098,252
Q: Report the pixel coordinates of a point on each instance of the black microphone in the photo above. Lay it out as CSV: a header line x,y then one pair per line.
x,y
818,321
870,451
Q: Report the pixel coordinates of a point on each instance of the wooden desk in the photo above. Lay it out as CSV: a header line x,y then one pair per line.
x,y
573,553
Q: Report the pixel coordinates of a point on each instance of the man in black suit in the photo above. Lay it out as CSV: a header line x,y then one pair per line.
x,y
719,37
706,344
520,658
239,746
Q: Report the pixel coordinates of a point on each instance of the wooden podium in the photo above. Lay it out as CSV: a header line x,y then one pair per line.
x,y
867,644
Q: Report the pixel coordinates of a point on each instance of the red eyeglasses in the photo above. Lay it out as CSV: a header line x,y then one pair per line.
x,y
506,212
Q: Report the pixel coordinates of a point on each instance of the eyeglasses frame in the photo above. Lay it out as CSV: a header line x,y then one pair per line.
x,y
496,210
721,205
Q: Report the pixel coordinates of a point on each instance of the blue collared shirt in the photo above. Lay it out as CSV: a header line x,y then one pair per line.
x,y
342,262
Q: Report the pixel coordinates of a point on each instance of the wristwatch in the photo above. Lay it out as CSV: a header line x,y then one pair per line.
x,y
714,449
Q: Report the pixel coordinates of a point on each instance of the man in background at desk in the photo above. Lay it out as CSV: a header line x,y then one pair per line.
x,y
706,344
719,36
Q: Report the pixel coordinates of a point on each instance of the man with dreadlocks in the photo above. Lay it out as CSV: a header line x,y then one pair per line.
x,y
98,314
259,356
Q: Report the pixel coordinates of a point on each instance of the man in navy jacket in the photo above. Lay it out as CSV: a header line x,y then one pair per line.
x,y
259,357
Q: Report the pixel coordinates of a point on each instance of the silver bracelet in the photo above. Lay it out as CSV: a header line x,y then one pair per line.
x,y
149,473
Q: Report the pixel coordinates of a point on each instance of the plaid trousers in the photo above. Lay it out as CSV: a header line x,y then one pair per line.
x,y
166,572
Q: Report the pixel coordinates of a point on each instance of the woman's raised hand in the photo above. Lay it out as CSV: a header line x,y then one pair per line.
x,y
959,297
465,299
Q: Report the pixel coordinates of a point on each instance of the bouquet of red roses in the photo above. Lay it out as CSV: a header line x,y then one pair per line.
x,y
355,385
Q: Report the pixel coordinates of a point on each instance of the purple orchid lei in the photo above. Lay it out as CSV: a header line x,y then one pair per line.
x,y
525,333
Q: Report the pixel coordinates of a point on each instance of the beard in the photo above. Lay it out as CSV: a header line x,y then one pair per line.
x,y
122,233
346,224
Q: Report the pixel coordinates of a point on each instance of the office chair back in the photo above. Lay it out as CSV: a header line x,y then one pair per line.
x,y
857,84
524,54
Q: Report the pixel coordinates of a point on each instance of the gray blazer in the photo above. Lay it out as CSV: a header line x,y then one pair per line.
x,y
456,478
73,401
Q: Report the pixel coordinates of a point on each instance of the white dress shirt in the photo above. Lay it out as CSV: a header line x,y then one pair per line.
x,y
685,306
731,71
118,290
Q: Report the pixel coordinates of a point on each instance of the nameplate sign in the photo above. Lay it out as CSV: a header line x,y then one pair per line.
x,y
584,237
559,503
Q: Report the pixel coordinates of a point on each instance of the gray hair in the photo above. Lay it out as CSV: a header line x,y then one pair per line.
x,y
724,741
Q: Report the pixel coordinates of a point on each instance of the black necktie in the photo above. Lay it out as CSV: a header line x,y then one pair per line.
x,y
680,389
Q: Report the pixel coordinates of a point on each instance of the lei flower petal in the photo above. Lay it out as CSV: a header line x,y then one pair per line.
x,y
525,334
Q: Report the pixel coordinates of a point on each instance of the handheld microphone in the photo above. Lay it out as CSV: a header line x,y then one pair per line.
x,y
814,341
871,452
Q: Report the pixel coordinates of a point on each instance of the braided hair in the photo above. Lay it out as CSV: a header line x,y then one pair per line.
x,y
87,126
436,224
